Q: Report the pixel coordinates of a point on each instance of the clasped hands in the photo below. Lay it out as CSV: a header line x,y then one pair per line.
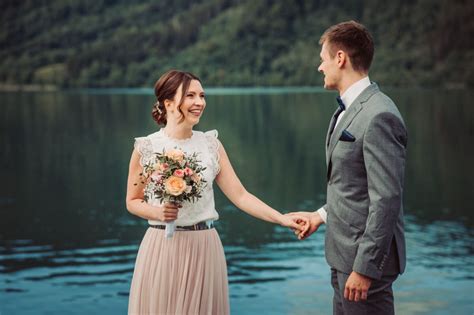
x,y
305,223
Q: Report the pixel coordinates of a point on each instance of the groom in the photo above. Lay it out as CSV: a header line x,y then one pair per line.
x,y
365,156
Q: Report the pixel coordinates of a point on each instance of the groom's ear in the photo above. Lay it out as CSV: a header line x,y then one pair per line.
x,y
341,58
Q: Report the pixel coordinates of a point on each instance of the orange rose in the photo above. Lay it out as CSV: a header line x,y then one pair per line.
x,y
175,186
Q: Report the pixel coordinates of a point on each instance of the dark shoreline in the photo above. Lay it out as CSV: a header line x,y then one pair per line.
x,y
28,87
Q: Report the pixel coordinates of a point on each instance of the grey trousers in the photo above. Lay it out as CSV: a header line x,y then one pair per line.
x,y
379,298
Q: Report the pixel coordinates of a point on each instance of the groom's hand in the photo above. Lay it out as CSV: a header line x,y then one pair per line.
x,y
357,286
314,220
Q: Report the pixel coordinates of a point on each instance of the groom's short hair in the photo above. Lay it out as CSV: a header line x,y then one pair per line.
x,y
354,39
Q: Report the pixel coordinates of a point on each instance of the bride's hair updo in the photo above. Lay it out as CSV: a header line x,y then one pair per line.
x,y
165,89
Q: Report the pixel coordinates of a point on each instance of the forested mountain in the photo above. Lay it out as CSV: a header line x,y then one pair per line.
x,y
105,43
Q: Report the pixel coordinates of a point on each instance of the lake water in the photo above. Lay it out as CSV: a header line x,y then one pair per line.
x,y
68,245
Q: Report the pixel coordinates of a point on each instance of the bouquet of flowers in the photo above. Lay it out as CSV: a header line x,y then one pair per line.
x,y
173,176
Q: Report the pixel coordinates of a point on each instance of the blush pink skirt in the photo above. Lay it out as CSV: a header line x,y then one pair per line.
x,y
186,274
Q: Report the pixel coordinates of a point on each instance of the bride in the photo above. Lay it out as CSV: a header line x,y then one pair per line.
x,y
186,274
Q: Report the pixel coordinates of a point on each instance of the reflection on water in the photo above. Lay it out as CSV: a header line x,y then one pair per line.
x,y
67,243
282,277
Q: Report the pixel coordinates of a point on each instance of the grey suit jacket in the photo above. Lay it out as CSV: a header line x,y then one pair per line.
x,y
365,186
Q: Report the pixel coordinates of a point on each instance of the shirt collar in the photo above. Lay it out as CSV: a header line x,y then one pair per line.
x,y
354,90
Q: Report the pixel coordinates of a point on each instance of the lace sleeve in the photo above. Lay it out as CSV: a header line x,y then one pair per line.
x,y
213,144
144,148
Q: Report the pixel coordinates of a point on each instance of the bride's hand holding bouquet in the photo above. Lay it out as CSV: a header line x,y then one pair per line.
x,y
172,178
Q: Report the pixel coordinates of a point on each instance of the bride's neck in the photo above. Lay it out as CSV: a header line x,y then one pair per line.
x,y
178,131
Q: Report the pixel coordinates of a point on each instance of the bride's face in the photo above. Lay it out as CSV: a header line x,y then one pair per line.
x,y
193,104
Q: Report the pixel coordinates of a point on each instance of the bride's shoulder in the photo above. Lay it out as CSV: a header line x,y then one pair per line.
x,y
209,134
150,136
144,144
210,137
213,144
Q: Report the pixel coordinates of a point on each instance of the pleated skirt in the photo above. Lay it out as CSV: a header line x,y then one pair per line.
x,y
185,274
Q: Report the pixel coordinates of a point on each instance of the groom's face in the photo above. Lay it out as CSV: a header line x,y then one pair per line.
x,y
329,68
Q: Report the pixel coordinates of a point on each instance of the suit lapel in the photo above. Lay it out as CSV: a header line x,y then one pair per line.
x,y
342,125
331,124
348,117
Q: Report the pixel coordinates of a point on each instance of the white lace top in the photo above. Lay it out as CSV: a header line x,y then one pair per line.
x,y
206,145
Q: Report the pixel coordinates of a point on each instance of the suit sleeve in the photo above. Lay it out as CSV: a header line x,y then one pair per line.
x,y
384,151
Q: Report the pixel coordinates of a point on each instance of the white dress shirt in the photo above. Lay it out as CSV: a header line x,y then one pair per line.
x,y
348,98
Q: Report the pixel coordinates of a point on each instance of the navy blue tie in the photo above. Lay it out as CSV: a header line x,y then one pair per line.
x,y
341,103
341,108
